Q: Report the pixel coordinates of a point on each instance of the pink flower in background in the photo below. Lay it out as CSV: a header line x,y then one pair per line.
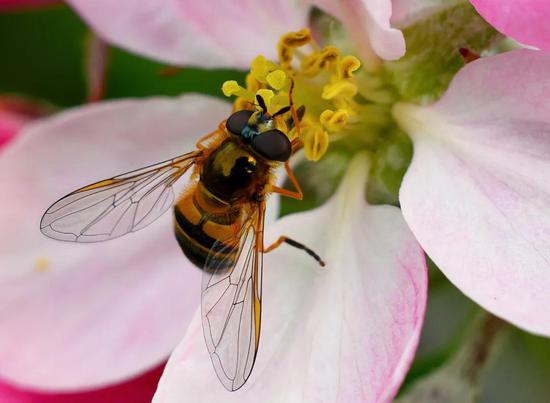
x,y
526,21
137,390
10,123
14,114
9,5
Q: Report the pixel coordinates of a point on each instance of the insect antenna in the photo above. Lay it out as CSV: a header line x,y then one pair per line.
x,y
261,102
281,111
300,112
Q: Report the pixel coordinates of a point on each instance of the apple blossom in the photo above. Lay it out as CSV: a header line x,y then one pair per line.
x,y
474,195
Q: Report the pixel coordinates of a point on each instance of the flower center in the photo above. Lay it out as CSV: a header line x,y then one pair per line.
x,y
324,83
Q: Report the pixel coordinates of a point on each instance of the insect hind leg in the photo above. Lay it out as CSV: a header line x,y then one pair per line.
x,y
284,239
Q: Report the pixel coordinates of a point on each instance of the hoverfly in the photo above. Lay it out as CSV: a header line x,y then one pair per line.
x,y
218,222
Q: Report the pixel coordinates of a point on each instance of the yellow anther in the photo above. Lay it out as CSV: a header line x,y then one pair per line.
x,y
289,42
334,121
315,140
267,96
329,55
252,85
310,64
339,89
296,39
276,79
261,67
281,99
231,87
348,65
323,81
242,103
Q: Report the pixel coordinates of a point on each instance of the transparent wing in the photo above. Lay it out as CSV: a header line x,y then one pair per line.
x,y
231,302
113,207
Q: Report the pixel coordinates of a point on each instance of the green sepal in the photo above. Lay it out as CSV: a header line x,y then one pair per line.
x,y
433,57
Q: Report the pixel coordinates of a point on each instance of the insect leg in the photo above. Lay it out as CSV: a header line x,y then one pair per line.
x,y
293,109
298,194
201,142
284,239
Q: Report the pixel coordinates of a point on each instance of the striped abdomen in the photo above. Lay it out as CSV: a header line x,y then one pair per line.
x,y
200,220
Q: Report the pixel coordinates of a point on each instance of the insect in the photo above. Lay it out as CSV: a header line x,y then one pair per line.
x,y
218,222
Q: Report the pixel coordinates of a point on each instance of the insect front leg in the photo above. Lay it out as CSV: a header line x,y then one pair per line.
x,y
202,143
284,239
298,194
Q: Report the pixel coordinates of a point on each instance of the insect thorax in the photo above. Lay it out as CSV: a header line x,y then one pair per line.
x,y
232,173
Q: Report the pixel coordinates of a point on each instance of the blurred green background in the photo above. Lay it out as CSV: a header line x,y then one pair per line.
x,y
43,55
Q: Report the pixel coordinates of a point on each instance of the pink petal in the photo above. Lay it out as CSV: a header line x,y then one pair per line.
x,y
81,316
10,124
217,33
136,390
24,4
14,114
477,194
527,21
368,23
343,333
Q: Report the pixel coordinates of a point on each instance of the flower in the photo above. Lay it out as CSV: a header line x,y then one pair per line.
x,y
45,271
525,21
486,233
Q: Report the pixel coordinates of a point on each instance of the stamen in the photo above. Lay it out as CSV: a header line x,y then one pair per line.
x,y
324,83
334,121
289,42
348,66
339,89
315,140
277,79
233,88
261,67
266,95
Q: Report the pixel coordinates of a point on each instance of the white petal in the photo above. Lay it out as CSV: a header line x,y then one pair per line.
x,y
220,33
74,315
343,333
477,194
368,24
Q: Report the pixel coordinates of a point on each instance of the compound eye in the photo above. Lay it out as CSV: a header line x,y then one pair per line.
x,y
273,145
238,121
